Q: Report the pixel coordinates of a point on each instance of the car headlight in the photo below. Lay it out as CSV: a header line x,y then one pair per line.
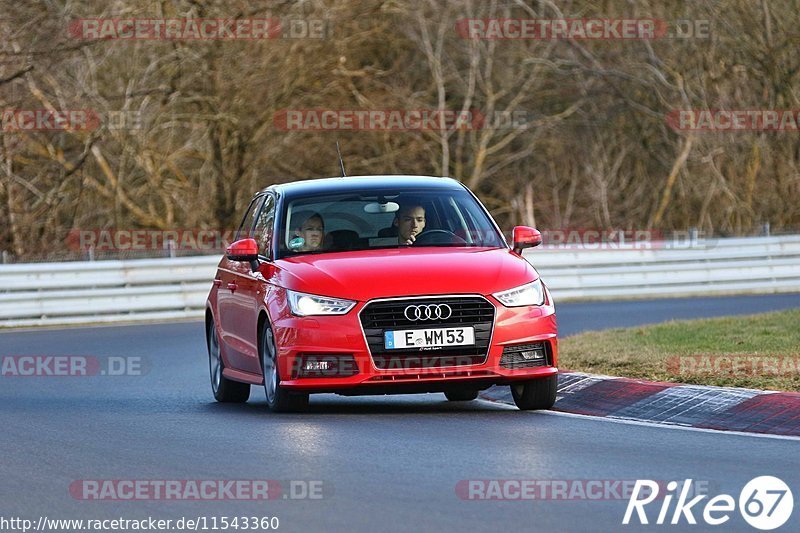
x,y
528,294
302,304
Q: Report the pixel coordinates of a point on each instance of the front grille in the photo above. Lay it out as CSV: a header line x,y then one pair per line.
x,y
513,357
378,317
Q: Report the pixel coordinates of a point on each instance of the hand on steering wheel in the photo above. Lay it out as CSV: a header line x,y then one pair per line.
x,y
438,236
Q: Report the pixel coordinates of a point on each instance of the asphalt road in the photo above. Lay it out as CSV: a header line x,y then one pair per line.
x,y
385,463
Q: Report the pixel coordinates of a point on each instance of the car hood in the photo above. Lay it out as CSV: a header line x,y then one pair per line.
x,y
368,274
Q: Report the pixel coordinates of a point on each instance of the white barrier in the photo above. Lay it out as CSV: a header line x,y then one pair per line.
x,y
37,294
152,289
720,266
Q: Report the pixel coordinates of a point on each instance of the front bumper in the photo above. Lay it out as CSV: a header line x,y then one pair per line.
x,y
299,337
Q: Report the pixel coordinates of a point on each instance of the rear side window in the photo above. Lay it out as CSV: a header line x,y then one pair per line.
x,y
263,228
248,220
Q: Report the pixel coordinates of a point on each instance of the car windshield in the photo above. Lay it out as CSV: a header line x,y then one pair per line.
x,y
385,219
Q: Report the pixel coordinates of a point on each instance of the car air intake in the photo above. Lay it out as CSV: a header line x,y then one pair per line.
x,y
428,313
526,355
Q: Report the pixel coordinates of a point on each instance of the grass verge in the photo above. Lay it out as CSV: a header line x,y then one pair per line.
x,y
757,351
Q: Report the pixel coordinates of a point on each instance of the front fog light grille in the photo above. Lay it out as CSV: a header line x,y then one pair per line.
x,y
526,355
325,366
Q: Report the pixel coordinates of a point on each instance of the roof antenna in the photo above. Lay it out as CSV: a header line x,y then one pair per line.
x,y
341,162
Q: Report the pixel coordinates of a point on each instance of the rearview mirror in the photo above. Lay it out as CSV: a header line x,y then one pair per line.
x,y
526,237
377,207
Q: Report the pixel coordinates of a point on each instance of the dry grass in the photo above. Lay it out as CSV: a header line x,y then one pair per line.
x,y
763,351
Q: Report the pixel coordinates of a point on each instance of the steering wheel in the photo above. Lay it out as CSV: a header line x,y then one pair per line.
x,y
438,236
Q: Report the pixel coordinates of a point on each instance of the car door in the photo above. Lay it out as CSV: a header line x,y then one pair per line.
x,y
231,304
250,288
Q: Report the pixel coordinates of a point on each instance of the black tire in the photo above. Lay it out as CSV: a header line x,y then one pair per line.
x,y
279,400
224,389
535,394
466,395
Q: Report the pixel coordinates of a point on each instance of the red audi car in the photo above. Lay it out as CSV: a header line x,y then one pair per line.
x,y
378,285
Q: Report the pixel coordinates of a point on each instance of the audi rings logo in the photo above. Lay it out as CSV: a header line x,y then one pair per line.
x,y
428,312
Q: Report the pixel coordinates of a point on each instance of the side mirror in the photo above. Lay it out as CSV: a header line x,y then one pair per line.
x,y
526,237
243,250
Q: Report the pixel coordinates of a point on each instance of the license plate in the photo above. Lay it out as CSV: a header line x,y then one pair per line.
x,y
429,338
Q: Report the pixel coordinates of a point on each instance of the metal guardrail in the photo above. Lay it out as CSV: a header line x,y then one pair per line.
x,y
161,289
37,294
720,266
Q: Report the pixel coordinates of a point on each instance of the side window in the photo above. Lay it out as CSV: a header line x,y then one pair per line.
x,y
248,218
264,227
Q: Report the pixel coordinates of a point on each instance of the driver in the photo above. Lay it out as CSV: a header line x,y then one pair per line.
x,y
312,231
410,221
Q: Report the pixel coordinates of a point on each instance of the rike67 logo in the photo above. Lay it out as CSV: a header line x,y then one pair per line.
x,y
765,503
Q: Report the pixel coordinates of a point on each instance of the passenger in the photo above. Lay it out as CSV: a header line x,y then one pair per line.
x,y
410,221
311,230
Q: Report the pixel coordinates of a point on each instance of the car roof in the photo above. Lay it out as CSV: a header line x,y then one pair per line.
x,y
362,183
